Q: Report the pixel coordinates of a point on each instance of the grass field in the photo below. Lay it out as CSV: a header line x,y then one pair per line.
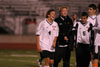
x,y
23,58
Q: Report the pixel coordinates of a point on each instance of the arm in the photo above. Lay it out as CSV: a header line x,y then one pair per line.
x,y
68,34
54,42
38,34
38,43
56,35
97,28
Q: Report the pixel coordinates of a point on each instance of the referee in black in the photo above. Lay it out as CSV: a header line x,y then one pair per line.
x,y
65,38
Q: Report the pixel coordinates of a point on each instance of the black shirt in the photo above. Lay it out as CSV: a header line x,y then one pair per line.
x,y
65,29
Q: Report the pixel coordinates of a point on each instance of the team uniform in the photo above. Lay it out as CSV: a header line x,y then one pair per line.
x,y
97,38
92,20
83,44
47,33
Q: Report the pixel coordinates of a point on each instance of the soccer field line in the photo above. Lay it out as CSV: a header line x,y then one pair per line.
x,y
18,60
23,61
19,55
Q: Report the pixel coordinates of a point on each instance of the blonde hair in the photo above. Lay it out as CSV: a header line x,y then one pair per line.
x,y
61,8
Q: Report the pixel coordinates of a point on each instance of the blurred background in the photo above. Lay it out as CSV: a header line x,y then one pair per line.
x,y
19,18
18,22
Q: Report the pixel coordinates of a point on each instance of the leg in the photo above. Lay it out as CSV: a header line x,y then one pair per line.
x,y
79,55
95,63
83,55
91,52
96,58
51,62
51,56
39,61
46,61
45,54
66,57
41,57
87,55
57,57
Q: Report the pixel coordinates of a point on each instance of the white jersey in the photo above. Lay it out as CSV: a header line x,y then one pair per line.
x,y
97,35
47,33
92,20
83,36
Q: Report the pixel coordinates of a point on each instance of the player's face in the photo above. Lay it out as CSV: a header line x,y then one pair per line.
x,y
75,16
91,11
52,15
64,12
84,19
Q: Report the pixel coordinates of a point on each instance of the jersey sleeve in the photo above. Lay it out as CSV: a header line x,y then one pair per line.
x,y
98,21
56,33
57,30
78,34
39,28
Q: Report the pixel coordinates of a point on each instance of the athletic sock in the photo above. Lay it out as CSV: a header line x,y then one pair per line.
x,y
90,65
46,66
95,65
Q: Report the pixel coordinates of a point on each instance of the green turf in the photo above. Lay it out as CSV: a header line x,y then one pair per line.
x,y
8,58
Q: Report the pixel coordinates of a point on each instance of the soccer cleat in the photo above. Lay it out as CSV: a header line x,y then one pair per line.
x,y
39,63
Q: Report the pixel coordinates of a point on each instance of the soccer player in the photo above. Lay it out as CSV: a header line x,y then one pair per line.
x,y
83,55
92,18
47,33
97,40
64,43
92,14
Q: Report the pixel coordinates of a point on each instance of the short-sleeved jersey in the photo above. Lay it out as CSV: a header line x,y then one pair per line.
x,y
47,33
83,36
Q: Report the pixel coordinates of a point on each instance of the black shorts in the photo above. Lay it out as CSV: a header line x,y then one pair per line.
x,y
97,55
48,54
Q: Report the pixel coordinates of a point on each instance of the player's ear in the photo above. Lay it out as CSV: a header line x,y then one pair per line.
x,y
95,11
48,15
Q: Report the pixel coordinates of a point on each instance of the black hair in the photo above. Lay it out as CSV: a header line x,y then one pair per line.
x,y
48,12
99,7
93,6
85,14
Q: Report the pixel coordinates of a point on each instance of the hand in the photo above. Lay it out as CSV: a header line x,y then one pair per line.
x,y
39,49
89,29
54,45
65,38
